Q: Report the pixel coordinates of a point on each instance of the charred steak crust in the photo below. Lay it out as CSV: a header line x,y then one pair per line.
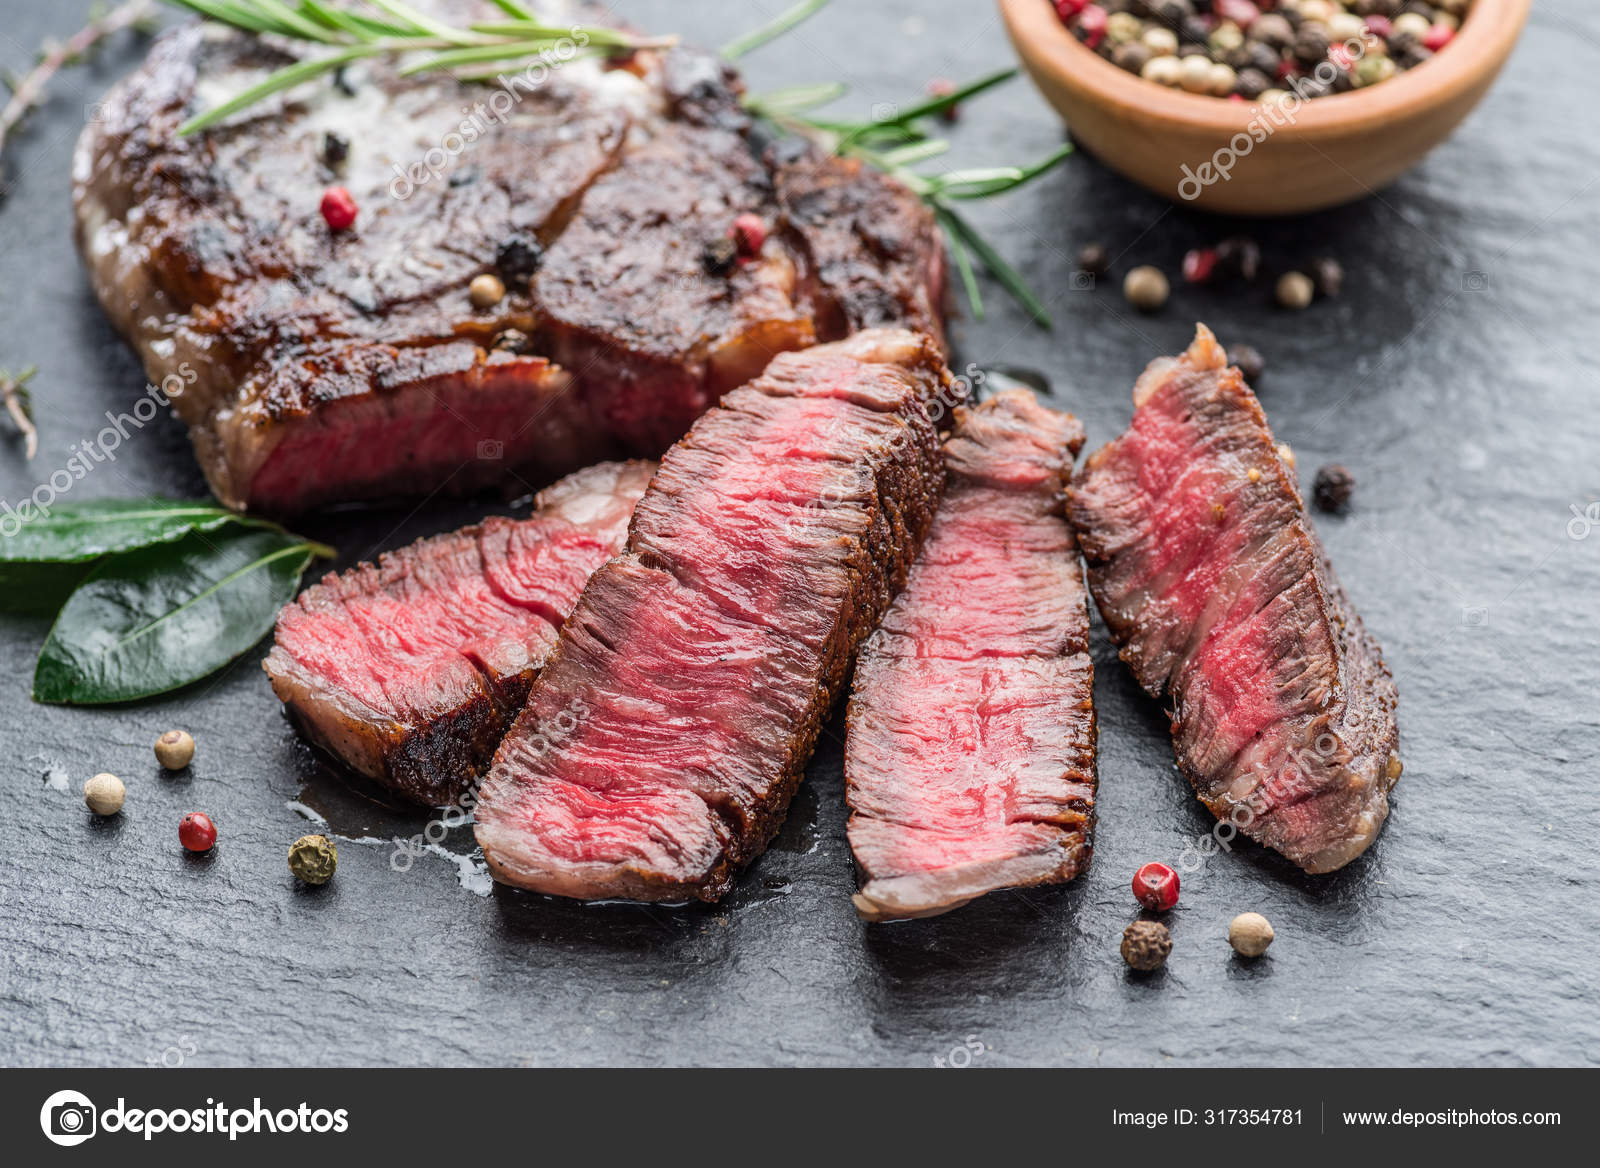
x,y
1212,581
970,754
409,670
315,366
658,752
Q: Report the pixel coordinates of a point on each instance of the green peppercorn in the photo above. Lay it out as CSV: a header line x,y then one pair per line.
x,y
1373,69
313,858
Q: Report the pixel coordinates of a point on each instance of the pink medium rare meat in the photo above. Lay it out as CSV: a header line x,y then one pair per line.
x,y
410,670
970,757
1211,579
659,749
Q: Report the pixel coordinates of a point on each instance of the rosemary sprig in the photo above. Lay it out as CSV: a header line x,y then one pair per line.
x,y
19,404
392,29
896,141
28,91
773,29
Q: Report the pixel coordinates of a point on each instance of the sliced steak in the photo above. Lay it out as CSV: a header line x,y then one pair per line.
x,y
970,759
660,747
314,365
1211,579
410,670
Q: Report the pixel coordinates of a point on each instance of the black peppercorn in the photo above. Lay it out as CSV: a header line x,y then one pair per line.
x,y
1240,256
720,256
1272,29
518,257
1133,56
1262,57
1251,84
1094,259
1332,487
1310,45
1194,30
335,149
1249,360
1327,275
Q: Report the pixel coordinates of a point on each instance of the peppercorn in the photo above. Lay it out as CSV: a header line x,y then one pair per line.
x,y
512,341
1250,934
519,256
1332,487
174,750
1194,73
1163,42
1156,887
1146,288
1133,56
1221,80
1310,44
1199,264
1162,71
1094,259
1438,36
1328,275
486,290
338,209
1240,256
1412,24
749,232
1249,362
1251,84
1272,29
196,832
719,257
335,149
104,794
1123,27
1295,290
313,858
1145,945
943,87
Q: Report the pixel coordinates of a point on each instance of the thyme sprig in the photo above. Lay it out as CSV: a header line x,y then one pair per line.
x,y
899,139
19,405
28,90
392,28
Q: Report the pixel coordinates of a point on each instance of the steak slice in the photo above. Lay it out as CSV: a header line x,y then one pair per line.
x,y
315,366
659,749
410,670
970,758
1211,579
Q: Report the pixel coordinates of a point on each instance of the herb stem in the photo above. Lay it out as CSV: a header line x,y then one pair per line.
x,y
28,91
773,29
20,406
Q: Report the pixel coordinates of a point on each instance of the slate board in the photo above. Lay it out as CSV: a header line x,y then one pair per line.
x,y
1466,406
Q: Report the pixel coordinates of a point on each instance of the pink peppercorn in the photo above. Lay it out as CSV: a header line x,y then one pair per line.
x,y
1091,25
749,233
1156,887
1438,36
196,832
1067,9
1199,264
1380,26
1240,12
338,209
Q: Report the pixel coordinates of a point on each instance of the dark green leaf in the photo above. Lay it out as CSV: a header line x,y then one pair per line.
x,y
74,532
157,618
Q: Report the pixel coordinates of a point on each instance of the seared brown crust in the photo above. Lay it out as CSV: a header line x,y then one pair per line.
x,y
270,332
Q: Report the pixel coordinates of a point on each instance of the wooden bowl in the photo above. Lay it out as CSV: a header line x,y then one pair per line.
x,y
1329,150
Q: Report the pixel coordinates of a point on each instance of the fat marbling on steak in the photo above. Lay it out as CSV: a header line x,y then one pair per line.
x,y
970,755
1211,579
659,749
409,670
328,366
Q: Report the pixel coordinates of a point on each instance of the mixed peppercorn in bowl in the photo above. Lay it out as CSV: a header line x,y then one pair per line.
x,y
1263,106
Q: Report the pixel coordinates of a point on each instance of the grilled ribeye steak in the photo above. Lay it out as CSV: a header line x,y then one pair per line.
x,y
410,670
1211,579
314,365
659,749
970,757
